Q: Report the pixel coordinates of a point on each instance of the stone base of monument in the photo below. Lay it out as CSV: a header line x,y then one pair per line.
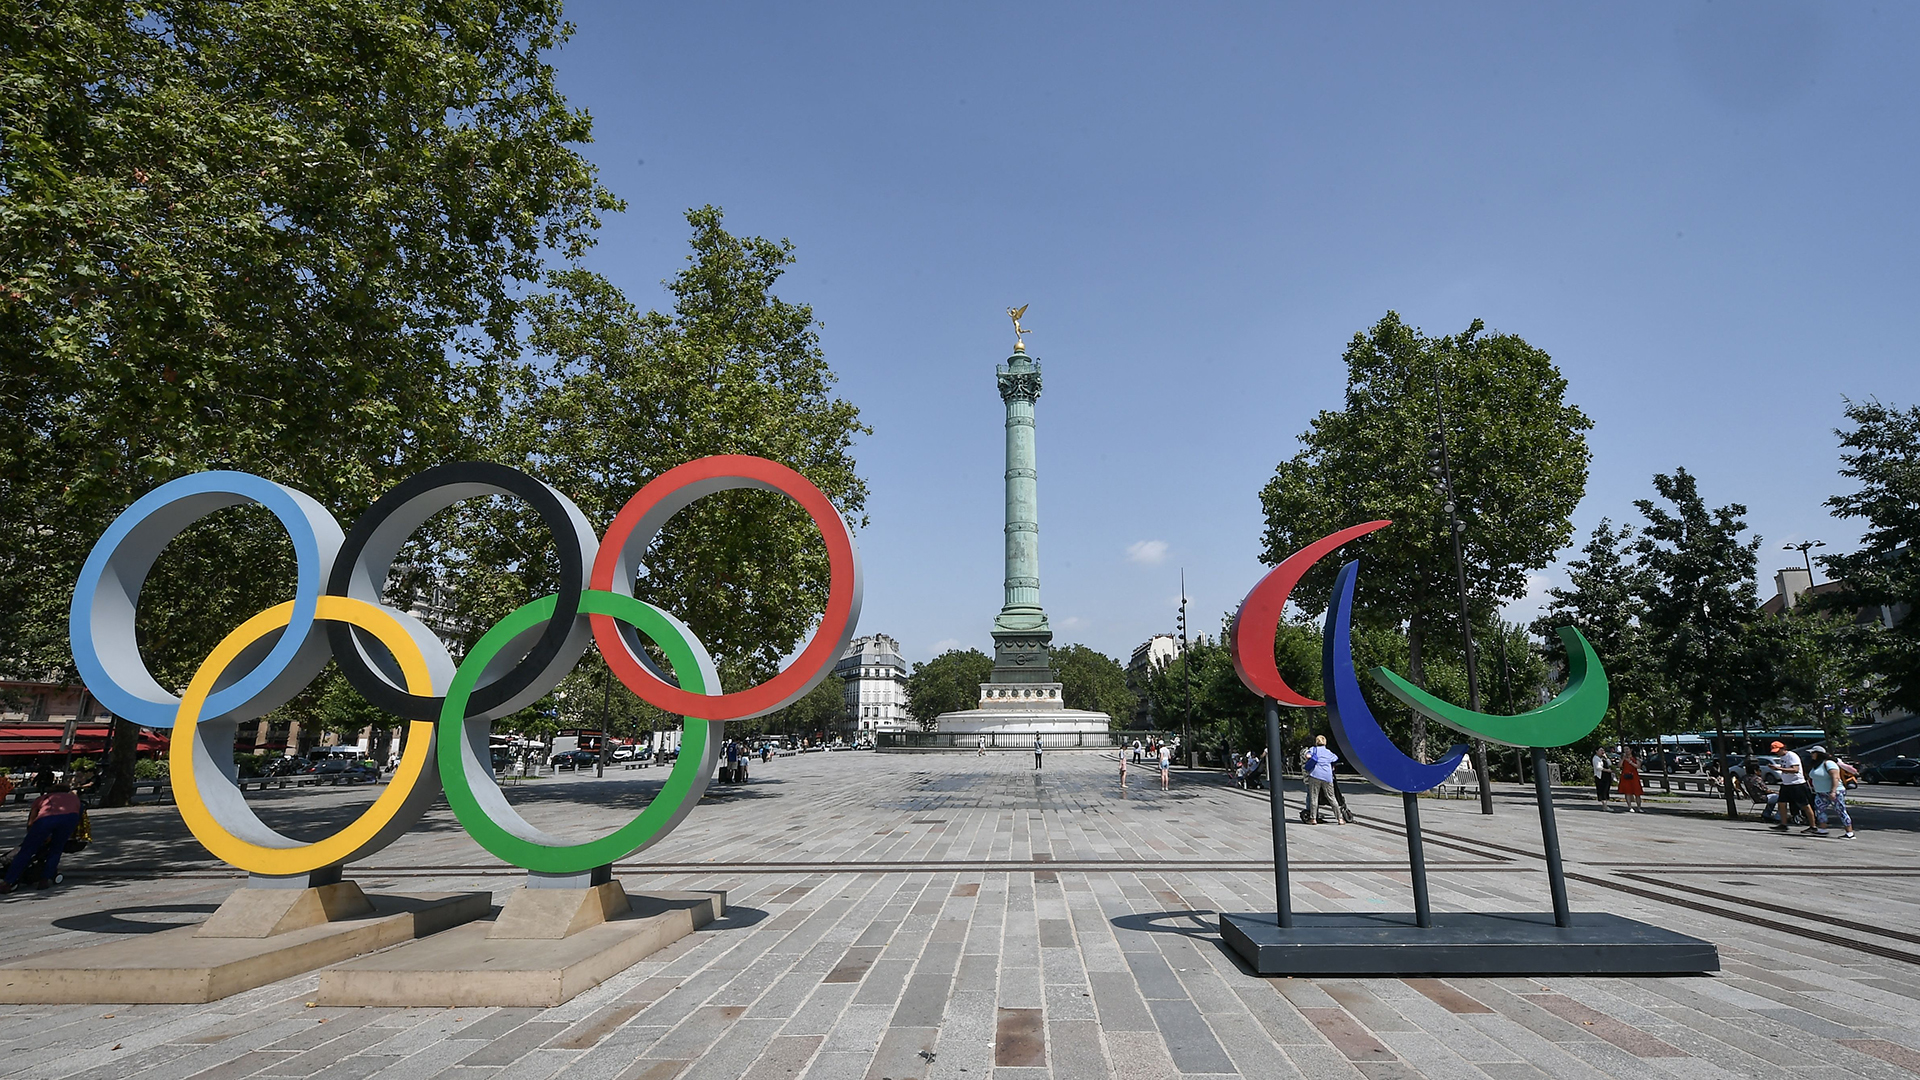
x,y
547,946
1460,943
258,936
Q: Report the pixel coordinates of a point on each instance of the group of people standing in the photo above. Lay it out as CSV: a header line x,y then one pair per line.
x,y
1813,789
1153,750
1631,787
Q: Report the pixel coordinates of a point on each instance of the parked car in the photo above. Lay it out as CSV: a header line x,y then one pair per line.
x,y
342,771
1677,761
575,759
1900,770
628,752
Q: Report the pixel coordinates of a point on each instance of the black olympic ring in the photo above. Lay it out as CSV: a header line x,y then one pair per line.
x,y
518,678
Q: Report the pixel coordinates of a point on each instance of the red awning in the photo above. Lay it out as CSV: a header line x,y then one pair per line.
x,y
88,740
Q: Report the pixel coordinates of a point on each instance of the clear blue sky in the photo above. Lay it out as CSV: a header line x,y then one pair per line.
x,y
1705,212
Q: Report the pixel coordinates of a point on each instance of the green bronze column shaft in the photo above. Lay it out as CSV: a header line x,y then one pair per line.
x,y
1020,633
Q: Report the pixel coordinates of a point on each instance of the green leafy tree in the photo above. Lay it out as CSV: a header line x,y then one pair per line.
x,y
1605,601
1697,590
1881,454
1805,668
822,711
1519,464
272,236
947,683
1093,680
623,395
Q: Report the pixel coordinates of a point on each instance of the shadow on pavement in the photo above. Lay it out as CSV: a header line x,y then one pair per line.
x,y
737,918
1193,924
112,922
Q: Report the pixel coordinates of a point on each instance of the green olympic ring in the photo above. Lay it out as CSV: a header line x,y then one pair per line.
x,y
466,766
1566,719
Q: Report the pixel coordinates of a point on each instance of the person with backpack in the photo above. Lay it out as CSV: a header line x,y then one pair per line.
x,y
1828,777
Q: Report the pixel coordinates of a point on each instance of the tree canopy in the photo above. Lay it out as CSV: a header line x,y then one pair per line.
x,y
947,683
1698,590
619,396
269,236
1881,454
1519,463
1092,680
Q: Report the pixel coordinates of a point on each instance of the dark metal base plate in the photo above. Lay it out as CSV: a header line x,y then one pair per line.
x,y
1461,943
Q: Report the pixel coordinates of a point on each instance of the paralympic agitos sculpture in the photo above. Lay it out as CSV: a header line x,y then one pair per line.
x,y
401,666
1472,942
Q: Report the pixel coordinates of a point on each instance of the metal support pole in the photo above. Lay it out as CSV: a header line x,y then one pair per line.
x,y
606,700
1417,860
1277,804
1550,837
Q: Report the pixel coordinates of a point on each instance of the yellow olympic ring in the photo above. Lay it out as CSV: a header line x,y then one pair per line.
x,y
218,814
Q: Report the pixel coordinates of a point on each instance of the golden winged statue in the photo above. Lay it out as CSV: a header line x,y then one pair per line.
x,y
1019,345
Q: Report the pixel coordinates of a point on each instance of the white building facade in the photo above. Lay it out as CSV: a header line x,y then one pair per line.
x,y
876,679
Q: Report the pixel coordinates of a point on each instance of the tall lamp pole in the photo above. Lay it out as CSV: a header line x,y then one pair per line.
x,y
1186,671
1443,468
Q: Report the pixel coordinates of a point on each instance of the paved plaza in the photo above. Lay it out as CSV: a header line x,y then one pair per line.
x,y
896,916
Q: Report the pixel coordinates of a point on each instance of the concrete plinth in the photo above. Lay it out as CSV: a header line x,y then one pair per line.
x,y
475,965
258,936
1463,943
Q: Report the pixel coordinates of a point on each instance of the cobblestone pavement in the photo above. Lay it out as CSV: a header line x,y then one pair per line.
x,y
896,916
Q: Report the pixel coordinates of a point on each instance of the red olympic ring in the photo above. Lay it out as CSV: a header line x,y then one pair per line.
x,y
1258,620
643,517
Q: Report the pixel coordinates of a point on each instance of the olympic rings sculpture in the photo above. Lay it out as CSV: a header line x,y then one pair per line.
x,y
1566,719
401,666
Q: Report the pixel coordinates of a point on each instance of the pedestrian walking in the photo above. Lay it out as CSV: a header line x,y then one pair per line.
x,y
1630,786
50,824
1166,766
1123,766
1319,765
983,747
1036,751
1829,790
1602,778
1796,796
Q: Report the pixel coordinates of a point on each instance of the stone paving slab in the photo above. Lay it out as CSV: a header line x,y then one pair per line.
x,y
960,917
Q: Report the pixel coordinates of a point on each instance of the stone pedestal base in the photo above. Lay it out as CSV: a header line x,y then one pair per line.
x,y
1057,727
1463,943
565,941
258,936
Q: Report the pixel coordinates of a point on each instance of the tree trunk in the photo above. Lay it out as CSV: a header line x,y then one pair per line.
x,y
117,784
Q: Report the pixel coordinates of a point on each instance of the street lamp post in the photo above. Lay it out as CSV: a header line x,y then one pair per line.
x,y
1186,672
1443,468
1803,547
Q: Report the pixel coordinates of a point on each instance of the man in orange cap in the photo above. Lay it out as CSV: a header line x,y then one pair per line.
x,y
1795,796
